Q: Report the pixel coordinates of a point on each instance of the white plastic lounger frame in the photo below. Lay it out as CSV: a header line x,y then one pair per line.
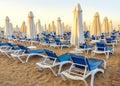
x,y
45,64
21,54
85,73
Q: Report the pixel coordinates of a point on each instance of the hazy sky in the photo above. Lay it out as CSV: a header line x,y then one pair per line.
x,y
48,10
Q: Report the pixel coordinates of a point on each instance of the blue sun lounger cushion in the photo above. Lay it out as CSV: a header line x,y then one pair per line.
x,y
63,57
92,63
28,51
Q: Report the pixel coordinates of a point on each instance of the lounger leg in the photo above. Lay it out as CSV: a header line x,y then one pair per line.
x,y
87,51
85,82
60,67
63,77
93,74
53,71
20,60
107,55
92,80
104,64
61,47
93,53
7,55
27,58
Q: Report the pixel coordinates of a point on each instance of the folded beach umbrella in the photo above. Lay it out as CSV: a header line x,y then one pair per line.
x,y
31,31
105,25
38,27
49,28
53,26
7,28
59,29
63,27
67,28
110,26
45,28
95,27
23,28
11,30
77,35
17,29
85,26
117,28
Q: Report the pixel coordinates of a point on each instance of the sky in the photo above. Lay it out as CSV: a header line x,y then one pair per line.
x,y
49,10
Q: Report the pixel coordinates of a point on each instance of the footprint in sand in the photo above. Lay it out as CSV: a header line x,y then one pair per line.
x,y
44,77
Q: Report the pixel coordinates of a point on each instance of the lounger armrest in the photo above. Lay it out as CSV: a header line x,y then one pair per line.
x,y
84,70
48,58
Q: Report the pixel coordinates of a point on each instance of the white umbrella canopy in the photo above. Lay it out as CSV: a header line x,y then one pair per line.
x,y
105,25
59,30
31,31
7,28
95,28
77,35
11,29
38,27
110,26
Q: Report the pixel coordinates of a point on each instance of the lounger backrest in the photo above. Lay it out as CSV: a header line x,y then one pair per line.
x,y
4,43
84,45
93,37
78,60
100,46
51,54
113,37
23,48
102,36
13,37
57,41
11,45
108,40
46,40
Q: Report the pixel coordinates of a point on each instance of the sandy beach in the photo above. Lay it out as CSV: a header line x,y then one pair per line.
x,y
14,73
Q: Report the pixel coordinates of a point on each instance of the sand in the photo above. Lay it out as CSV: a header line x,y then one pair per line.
x,y
14,73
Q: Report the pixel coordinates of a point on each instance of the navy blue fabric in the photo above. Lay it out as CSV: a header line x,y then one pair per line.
x,y
108,40
102,36
63,57
24,48
84,45
36,51
108,48
57,41
100,46
113,37
78,59
28,51
92,63
12,45
93,37
51,54
4,43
